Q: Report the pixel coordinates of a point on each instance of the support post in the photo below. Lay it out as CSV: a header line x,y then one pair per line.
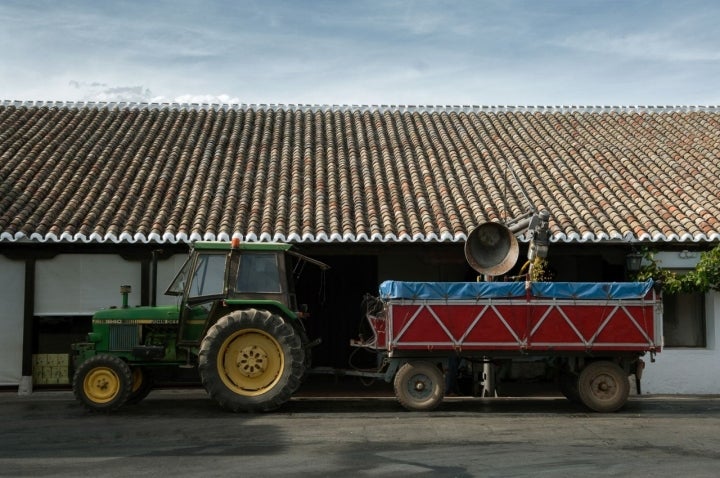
x,y
488,381
26,381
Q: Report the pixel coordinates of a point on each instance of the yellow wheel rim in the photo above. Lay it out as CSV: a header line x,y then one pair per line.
x,y
137,379
101,385
250,362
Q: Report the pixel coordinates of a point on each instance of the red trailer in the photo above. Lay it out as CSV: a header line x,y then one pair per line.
x,y
589,336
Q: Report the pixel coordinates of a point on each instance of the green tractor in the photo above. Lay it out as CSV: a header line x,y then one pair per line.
x,y
236,323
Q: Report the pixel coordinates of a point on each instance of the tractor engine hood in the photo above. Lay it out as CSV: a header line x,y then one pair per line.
x,y
157,315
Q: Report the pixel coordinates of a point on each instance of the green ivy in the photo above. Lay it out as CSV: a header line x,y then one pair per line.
x,y
705,276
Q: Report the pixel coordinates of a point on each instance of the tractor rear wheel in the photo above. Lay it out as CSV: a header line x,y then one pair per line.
x,y
142,384
251,360
103,383
603,386
419,386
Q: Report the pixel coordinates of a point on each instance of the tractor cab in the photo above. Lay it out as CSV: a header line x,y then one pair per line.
x,y
220,276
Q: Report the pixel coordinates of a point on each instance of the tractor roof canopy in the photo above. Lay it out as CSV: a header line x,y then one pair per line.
x,y
255,246
245,246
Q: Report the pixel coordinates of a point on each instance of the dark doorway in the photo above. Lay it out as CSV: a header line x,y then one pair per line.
x,y
334,299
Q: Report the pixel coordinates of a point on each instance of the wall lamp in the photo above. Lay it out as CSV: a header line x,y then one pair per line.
x,y
633,261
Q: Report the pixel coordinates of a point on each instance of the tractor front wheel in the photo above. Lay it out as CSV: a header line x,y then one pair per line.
x,y
142,384
251,360
103,383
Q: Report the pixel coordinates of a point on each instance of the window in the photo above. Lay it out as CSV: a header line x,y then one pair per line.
x,y
178,284
684,320
209,276
258,273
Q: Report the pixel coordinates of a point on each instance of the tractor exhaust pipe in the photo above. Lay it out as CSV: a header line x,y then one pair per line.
x,y
125,292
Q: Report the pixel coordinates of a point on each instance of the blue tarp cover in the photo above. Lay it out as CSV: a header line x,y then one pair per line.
x,y
496,290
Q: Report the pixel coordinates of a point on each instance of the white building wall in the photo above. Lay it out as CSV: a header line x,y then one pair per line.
x,y
77,284
86,283
12,279
689,370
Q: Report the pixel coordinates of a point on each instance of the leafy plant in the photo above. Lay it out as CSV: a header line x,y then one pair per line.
x,y
705,276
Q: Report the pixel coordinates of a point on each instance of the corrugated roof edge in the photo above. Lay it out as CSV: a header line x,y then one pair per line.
x,y
308,238
381,107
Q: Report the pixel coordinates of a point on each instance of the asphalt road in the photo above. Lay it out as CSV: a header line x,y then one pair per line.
x,y
183,433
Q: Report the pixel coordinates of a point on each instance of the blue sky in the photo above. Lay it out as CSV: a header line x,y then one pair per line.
x,y
363,52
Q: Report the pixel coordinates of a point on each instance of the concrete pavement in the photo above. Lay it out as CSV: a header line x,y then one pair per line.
x,y
180,432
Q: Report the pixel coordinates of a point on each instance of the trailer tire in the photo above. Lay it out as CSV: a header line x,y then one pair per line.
x,y
251,360
568,383
103,383
419,386
142,384
603,386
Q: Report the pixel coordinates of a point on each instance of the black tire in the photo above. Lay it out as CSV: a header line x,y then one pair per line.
x,y
251,360
419,386
305,340
568,383
142,384
103,383
603,386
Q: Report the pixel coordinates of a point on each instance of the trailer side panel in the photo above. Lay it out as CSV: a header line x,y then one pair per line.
x,y
609,317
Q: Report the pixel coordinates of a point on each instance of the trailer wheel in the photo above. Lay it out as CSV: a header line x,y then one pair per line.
x,y
603,386
419,386
102,383
142,384
251,360
568,383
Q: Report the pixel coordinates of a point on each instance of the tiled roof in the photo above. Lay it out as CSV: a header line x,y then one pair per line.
x,y
169,173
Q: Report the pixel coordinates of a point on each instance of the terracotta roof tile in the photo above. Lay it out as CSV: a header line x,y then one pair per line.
x,y
169,173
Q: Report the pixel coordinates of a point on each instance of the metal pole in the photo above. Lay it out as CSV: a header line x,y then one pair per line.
x,y
488,374
489,389
153,278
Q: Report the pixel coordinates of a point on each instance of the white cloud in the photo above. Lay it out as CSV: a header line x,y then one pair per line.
x,y
202,99
103,92
98,91
641,46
